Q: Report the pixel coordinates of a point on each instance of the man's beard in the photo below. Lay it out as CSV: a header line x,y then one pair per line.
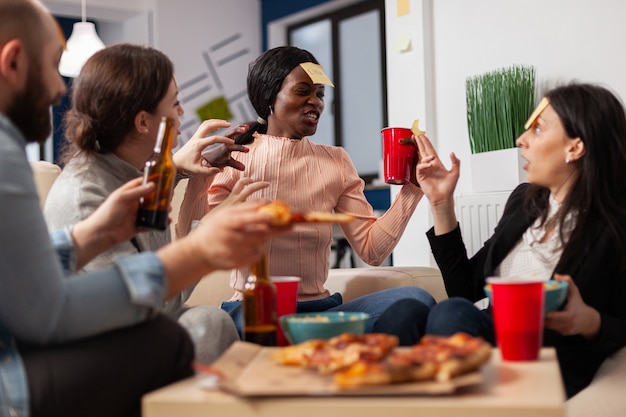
x,y
30,111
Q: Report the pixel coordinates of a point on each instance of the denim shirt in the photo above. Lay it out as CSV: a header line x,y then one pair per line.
x,y
37,302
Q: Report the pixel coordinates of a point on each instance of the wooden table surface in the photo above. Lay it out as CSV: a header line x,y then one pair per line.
x,y
511,389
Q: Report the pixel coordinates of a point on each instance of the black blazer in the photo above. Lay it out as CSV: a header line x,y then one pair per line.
x,y
598,269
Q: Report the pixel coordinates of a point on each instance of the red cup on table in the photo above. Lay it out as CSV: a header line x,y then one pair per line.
x,y
286,302
397,155
518,317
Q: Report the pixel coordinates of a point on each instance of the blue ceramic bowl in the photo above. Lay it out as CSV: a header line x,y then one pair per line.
x,y
301,327
555,291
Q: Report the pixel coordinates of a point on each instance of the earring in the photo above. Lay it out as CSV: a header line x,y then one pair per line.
x,y
271,109
567,160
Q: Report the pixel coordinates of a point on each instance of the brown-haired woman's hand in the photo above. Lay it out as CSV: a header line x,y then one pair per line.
x,y
190,157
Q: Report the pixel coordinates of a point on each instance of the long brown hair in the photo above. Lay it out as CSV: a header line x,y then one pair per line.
x,y
115,84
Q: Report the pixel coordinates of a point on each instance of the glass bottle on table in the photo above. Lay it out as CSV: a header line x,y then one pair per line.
x,y
153,210
259,306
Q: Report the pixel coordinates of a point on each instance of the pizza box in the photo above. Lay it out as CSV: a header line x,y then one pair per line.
x,y
247,370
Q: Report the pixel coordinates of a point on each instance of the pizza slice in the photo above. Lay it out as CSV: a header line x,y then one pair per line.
x,y
437,358
340,352
282,215
451,355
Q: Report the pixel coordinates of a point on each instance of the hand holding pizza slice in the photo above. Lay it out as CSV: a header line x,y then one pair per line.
x,y
282,215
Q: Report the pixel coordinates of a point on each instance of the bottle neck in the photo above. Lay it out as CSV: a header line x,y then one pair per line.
x,y
163,144
260,269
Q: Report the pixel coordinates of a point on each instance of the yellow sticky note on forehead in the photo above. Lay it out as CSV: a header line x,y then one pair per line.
x,y
317,74
541,107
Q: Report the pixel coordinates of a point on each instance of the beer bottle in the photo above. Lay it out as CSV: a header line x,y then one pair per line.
x,y
259,306
154,209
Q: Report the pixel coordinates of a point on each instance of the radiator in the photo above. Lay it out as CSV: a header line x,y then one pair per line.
x,y
478,215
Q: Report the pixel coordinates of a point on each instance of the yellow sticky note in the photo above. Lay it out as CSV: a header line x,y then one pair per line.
x,y
402,43
541,107
403,7
317,74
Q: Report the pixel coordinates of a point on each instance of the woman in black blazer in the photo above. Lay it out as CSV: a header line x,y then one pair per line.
x,y
568,223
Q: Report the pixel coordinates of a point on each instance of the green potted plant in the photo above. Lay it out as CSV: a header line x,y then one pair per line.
x,y
498,104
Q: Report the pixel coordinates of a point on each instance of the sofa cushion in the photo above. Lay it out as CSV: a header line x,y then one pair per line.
x,y
350,282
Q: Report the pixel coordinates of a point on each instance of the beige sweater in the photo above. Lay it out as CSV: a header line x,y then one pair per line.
x,y
309,176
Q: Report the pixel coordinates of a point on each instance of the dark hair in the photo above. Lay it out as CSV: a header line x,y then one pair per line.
x,y
596,116
113,86
265,78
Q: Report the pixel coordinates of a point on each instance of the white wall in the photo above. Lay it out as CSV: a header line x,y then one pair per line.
x,y
210,42
563,39
450,40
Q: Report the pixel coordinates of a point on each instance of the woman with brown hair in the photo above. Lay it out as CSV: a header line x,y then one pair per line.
x,y
117,103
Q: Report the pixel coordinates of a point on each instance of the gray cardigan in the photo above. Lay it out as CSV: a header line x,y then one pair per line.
x,y
84,183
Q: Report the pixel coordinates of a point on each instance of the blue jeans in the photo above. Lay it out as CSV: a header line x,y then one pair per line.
x,y
399,311
458,314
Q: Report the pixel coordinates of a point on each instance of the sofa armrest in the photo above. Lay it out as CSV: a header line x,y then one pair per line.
x,y
350,282
604,397
211,290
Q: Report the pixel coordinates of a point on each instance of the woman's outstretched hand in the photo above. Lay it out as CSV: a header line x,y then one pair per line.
x,y
438,184
436,181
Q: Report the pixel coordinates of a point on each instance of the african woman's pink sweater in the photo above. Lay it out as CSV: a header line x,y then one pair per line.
x,y
313,177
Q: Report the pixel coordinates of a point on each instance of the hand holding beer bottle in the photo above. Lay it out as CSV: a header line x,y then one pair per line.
x,y
154,209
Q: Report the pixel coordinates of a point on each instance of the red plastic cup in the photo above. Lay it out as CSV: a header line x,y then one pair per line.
x,y
397,156
518,317
286,302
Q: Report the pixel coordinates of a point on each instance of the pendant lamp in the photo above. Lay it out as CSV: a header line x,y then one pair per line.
x,y
82,43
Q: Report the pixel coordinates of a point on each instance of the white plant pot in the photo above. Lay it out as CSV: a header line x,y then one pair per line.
x,y
497,170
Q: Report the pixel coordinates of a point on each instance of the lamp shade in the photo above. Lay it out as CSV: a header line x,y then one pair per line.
x,y
82,43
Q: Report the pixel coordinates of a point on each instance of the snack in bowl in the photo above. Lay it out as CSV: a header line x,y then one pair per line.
x,y
301,327
555,294
282,215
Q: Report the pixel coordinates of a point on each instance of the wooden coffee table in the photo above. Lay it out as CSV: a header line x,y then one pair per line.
x,y
511,389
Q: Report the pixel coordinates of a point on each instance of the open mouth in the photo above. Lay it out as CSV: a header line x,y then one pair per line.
x,y
312,115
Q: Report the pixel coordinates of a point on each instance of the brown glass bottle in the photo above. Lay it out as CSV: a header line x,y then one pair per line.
x,y
154,209
259,306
